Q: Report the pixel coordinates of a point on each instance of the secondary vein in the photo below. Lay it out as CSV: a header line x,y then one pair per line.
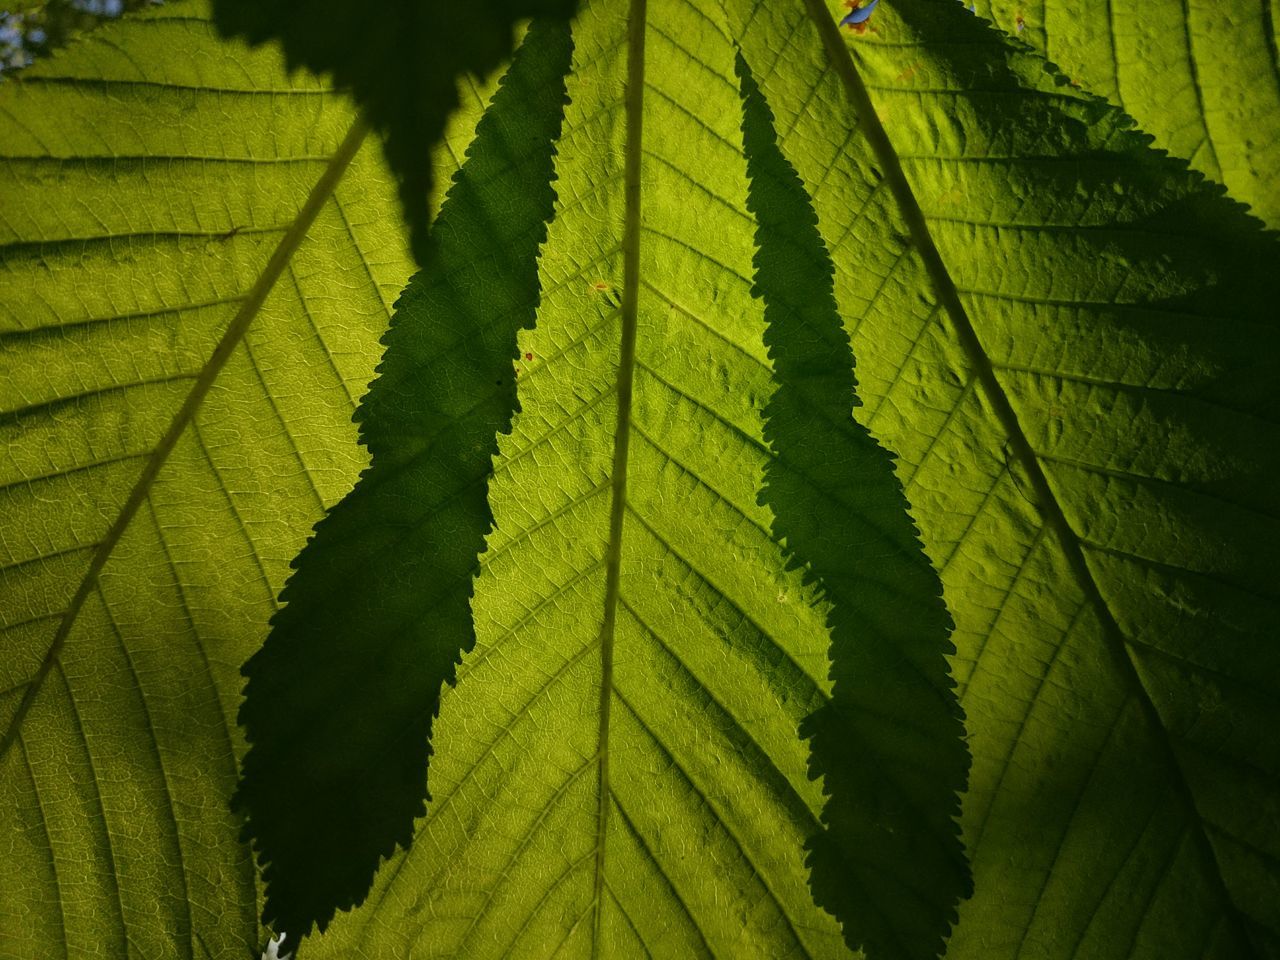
x,y
634,104
231,338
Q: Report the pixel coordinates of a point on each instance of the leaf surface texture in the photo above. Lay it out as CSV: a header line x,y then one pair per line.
x,y
1067,340
1105,532
1058,332
155,484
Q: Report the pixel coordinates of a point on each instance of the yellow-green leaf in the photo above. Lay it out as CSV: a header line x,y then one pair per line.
x,y
198,252
1069,341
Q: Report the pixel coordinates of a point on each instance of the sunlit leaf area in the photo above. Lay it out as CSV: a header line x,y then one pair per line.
x,y
611,479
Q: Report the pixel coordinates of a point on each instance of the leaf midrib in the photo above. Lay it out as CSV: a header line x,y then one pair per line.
x,y
983,368
249,308
634,152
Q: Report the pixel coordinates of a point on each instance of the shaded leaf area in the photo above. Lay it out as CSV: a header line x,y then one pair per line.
x,y
340,700
168,439
1202,78
889,744
1107,533
402,61
658,807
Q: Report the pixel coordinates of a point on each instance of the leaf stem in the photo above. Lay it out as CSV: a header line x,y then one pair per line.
x,y
622,435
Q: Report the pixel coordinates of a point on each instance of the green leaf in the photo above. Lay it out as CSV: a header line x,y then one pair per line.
x,y
1069,342
1202,78
1045,315
1075,358
889,742
190,301
401,60
357,605
340,700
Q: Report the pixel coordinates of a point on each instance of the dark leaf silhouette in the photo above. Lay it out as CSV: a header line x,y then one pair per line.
x,y
889,743
339,701
401,59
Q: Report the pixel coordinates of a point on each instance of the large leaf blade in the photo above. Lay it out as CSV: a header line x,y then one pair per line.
x,y
634,695
150,171
1098,253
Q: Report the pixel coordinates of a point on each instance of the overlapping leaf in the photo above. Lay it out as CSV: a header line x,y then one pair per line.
x,y
1074,361
1068,341
357,605
1202,77
340,700
889,744
619,771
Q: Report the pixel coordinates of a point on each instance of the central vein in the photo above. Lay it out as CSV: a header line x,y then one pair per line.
x,y
622,435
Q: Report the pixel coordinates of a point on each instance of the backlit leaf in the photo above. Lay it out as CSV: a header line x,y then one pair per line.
x,y
190,301
340,700
1058,331
1066,338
